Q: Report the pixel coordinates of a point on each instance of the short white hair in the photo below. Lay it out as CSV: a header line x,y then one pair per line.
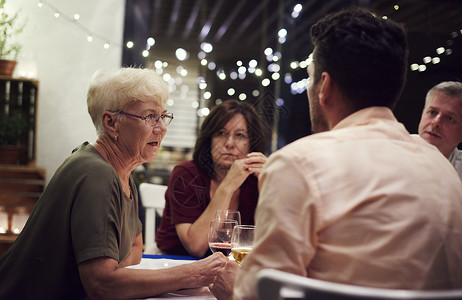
x,y
113,91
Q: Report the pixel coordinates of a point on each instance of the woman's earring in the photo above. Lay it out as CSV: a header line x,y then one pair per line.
x,y
116,137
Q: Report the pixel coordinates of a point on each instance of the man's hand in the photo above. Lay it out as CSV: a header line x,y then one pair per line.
x,y
210,267
222,286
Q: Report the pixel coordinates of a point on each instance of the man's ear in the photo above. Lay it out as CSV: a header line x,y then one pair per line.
x,y
325,89
110,124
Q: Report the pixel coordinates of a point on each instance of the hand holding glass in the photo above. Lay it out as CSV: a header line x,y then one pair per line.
x,y
220,232
242,241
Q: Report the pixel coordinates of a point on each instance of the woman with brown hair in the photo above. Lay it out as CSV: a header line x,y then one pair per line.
x,y
223,174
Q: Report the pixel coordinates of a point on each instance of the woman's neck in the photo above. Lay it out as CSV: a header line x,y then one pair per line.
x,y
219,174
115,157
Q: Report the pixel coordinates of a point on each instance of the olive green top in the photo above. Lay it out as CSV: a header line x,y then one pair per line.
x,y
82,214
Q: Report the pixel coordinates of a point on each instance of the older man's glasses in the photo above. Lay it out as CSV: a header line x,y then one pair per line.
x,y
152,120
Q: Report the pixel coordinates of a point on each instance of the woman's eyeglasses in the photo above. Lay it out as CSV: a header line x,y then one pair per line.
x,y
151,120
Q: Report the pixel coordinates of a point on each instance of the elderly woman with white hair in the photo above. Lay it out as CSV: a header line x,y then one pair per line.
x,y
85,228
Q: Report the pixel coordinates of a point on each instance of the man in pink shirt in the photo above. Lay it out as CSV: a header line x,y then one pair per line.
x,y
360,202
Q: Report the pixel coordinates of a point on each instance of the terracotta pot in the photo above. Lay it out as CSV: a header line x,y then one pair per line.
x,y
7,67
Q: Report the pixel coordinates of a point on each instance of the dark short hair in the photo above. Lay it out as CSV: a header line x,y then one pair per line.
x,y
216,120
365,55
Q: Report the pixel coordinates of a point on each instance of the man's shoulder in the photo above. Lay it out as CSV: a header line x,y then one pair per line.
x,y
305,148
314,140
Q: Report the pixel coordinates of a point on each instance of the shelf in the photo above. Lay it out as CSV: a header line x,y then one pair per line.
x,y
18,108
7,238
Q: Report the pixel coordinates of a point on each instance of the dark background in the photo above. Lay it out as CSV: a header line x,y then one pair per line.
x,y
242,29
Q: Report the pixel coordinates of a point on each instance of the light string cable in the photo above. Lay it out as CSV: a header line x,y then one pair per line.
x,y
75,20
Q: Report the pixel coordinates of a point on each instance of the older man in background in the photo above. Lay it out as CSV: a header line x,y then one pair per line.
x,y
441,122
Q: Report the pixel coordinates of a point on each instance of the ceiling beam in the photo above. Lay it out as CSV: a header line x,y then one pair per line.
x,y
174,17
273,18
156,15
208,25
248,21
192,19
224,27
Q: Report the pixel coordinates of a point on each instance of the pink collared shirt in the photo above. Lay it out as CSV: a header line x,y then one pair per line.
x,y
363,204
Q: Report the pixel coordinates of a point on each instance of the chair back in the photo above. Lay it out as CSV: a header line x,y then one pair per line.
x,y
278,285
153,199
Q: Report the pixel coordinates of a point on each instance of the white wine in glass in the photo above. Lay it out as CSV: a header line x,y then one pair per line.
x,y
242,241
220,233
228,214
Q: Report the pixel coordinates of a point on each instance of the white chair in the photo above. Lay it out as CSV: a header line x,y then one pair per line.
x,y
278,285
153,199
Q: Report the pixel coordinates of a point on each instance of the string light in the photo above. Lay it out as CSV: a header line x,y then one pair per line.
x,y
75,20
207,48
440,51
151,41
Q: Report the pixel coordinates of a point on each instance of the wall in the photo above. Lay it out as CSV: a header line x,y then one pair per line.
x,y
65,62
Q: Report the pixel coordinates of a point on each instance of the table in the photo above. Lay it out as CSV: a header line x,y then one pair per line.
x,y
150,261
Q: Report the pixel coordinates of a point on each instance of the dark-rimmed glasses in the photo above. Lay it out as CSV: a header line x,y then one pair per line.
x,y
151,120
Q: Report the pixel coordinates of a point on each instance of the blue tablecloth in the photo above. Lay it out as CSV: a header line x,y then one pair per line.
x,y
177,257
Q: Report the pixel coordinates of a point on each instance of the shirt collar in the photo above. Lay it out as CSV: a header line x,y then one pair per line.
x,y
366,116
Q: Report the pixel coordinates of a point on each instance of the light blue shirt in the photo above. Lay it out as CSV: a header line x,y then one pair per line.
x,y
456,161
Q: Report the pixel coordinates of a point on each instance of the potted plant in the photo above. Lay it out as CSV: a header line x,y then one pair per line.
x,y
9,47
14,128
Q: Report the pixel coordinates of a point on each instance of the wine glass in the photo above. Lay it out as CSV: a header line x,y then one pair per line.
x,y
228,214
220,232
242,241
